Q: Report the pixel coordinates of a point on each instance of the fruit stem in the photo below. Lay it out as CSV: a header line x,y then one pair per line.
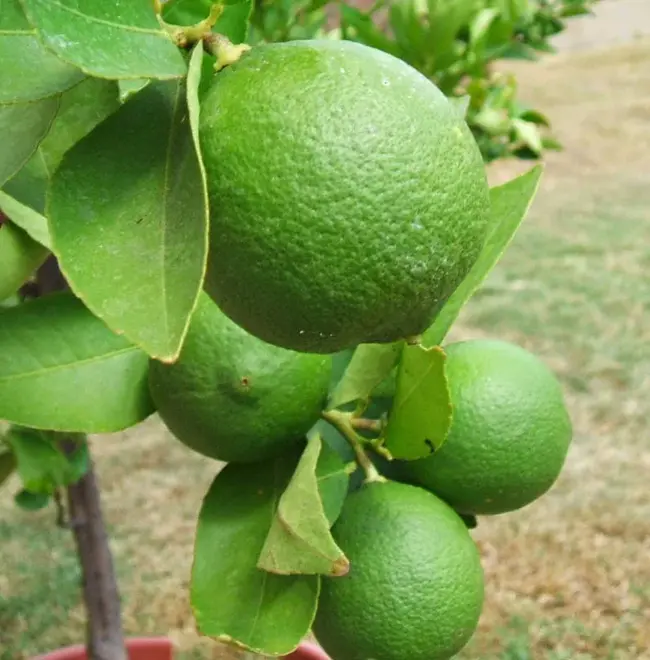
x,y
343,423
223,49
363,424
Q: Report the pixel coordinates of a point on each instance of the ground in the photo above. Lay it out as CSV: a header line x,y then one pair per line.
x,y
568,577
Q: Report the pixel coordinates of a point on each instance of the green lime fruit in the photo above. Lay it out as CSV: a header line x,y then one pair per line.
x,y
415,586
233,397
348,198
510,430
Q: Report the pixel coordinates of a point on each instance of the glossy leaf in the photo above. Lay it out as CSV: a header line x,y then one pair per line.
x,y
82,108
7,464
333,481
20,256
421,414
509,204
128,216
30,184
370,365
31,222
107,39
233,22
129,87
61,368
41,462
232,599
30,72
299,541
529,134
23,126
340,362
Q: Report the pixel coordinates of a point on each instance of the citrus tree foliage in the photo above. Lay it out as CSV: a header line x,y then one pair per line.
x,y
454,43
101,167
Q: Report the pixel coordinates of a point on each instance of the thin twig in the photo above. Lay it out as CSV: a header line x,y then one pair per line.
x,y
343,423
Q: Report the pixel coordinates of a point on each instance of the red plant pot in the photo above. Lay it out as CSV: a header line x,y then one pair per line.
x,y
160,648
141,648
308,651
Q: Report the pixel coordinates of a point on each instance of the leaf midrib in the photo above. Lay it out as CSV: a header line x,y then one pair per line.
x,y
68,365
102,21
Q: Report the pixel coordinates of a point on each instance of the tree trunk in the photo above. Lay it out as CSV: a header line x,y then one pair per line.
x,y
104,638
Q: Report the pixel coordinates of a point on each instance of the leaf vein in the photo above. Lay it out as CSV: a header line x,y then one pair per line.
x,y
102,21
59,367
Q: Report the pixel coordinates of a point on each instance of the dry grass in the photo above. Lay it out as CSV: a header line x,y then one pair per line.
x,y
568,577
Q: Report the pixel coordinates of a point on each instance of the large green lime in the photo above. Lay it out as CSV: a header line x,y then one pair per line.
x,y
510,431
415,586
348,198
234,397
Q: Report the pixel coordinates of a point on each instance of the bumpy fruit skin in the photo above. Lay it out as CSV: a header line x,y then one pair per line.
x,y
510,430
347,197
233,397
415,586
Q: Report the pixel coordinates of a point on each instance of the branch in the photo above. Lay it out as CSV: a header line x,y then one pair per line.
x,y
343,424
105,639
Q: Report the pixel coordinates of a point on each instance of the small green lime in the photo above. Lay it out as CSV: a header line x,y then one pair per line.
x,y
348,198
510,431
233,397
415,586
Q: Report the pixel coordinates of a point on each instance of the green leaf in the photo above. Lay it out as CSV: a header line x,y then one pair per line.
x,y
23,126
299,541
107,39
128,214
333,481
509,204
232,599
535,117
7,464
30,184
529,134
20,256
30,71
130,87
82,108
34,224
421,413
31,501
340,362
370,365
41,462
481,24
233,22
364,30
494,121
61,368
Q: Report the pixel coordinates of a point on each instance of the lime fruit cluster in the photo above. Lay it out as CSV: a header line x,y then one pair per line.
x,y
415,585
233,397
348,198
